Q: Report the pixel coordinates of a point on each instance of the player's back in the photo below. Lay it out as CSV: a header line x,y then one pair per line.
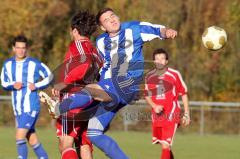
x,y
81,67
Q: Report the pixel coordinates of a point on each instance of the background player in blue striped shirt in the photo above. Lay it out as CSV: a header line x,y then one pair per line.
x,y
121,48
24,76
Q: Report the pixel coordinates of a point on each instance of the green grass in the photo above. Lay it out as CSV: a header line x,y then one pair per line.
x,y
137,145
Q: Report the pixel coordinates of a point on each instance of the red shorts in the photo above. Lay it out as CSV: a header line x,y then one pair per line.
x,y
164,134
74,128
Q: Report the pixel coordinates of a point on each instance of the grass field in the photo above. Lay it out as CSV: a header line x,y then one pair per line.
x,y
138,145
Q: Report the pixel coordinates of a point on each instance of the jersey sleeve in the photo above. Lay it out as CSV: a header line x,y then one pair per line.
x,y
6,81
46,75
150,31
180,85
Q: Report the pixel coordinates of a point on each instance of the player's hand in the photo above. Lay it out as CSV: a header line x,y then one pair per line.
x,y
31,86
17,85
55,92
186,119
158,109
57,89
170,33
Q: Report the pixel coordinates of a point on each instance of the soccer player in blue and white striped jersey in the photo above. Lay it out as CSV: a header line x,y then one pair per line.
x,y
24,76
121,48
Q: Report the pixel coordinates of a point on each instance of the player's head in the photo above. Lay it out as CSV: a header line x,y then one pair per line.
x,y
20,44
108,20
83,24
160,58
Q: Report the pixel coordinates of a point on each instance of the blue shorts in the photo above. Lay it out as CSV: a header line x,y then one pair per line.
x,y
27,120
122,90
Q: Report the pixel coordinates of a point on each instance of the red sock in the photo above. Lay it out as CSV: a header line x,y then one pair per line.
x,y
166,154
69,153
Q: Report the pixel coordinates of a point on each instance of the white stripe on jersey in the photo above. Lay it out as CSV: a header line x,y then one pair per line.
x,y
114,57
100,45
170,74
172,112
152,25
18,75
81,51
31,68
128,50
180,77
101,49
114,52
14,109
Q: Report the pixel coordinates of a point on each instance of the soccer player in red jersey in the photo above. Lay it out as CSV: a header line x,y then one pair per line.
x,y
80,67
163,86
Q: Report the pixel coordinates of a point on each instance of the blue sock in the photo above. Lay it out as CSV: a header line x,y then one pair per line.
x,y
22,149
78,100
108,146
39,151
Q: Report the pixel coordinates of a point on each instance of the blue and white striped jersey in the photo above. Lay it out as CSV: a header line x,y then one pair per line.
x,y
29,70
122,54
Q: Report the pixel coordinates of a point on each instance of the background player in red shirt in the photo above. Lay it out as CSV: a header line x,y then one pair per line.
x,y
80,67
163,86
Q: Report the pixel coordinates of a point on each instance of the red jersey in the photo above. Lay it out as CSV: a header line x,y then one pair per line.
x,y
164,90
81,65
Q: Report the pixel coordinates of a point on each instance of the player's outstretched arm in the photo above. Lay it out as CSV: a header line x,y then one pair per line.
x,y
150,31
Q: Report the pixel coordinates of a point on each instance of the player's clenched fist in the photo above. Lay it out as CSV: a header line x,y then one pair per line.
x,y
168,33
31,86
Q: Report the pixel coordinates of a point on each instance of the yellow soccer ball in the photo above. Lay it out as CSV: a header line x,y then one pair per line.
x,y
214,38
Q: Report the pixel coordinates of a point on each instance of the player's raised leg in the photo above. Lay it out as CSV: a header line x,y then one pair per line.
x,y
84,98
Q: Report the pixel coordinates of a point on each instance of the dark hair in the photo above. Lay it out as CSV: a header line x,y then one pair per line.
x,y
160,51
84,22
101,12
20,38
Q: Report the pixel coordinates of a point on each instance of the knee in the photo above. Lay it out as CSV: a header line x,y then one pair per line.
x,y
21,134
166,146
86,152
63,145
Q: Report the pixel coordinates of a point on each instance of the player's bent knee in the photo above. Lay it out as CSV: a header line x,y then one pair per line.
x,y
98,93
